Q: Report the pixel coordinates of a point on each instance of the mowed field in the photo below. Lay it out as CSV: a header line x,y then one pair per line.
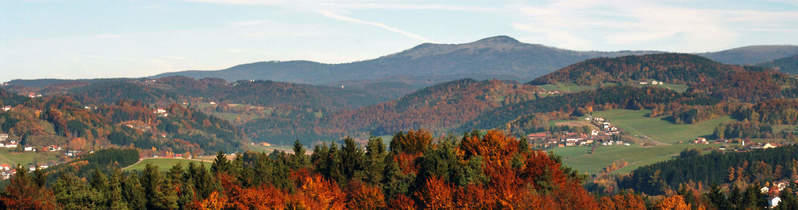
x,y
164,164
25,158
635,123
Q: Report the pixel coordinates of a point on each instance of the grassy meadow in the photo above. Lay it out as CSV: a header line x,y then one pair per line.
x,y
164,164
635,123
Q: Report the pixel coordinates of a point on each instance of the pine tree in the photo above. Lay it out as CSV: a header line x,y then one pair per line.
x,y
375,155
220,164
114,195
299,159
159,192
133,192
351,160
73,193
99,182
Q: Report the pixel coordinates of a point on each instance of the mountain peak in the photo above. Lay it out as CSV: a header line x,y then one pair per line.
x,y
498,39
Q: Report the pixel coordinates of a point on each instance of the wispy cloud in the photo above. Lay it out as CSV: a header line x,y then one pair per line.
x,y
636,23
375,24
359,4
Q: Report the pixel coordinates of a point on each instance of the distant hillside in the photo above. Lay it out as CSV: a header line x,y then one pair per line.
x,y
499,57
698,73
63,121
437,108
787,65
183,89
751,55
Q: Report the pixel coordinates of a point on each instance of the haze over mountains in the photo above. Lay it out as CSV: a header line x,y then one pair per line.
x,y
499,57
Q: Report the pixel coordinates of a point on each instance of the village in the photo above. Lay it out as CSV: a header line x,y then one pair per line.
x,y
605,135
13,144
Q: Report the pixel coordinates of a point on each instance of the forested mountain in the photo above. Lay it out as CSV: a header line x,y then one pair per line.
x,y
499,57
531,116
64,121
701,75
750,55
786,65
183,89
437,108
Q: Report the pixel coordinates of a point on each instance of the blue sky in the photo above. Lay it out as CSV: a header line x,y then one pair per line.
x,y
133,38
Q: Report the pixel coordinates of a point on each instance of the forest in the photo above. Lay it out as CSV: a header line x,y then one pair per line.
x,y
481,170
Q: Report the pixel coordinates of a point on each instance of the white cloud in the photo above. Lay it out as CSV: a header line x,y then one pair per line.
x,y
375,24
629,23
357,4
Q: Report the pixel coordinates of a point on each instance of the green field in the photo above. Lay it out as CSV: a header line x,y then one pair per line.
x,y
579,159
567,87
676,87
164,164
24,158
635,123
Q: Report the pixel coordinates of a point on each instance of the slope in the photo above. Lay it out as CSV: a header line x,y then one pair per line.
x,y
787,65
750,55
701,75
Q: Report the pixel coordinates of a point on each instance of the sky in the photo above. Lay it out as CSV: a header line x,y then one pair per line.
x,y
134,38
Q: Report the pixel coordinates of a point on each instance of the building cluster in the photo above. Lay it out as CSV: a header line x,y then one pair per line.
x,y
606,135
161,112
6,170
34,95
744,145
6,108
651,82
549,92
772,191
7,142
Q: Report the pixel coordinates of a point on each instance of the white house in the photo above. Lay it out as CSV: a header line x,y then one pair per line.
x,y
6,108
29,149
774,202
768,146
3,137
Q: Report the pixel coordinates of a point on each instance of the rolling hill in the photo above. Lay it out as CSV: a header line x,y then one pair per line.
x,y
64,121
700,74
438,108
787,65
750,55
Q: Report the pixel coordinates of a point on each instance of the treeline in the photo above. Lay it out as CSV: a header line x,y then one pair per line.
x,y
489,171
716,168
11,99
